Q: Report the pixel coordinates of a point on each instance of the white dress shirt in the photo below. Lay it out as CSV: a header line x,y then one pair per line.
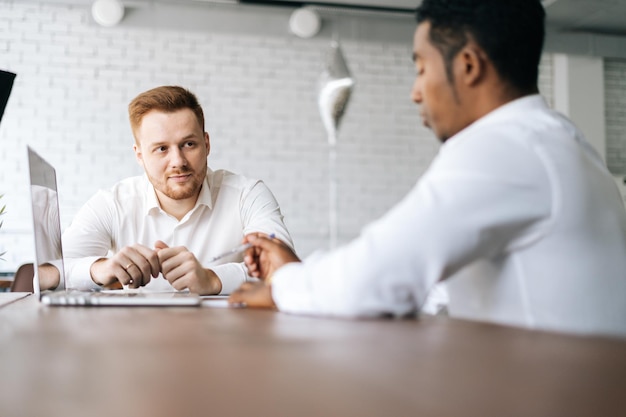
x,y
229,206
517,212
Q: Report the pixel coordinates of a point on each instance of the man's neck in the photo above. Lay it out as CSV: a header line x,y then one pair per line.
x,y
494,96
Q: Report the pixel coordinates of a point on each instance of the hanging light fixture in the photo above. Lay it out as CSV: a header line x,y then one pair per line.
x,y
107,12
305,22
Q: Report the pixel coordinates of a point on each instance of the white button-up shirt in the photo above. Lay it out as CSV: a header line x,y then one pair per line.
x,y
229,206
517,212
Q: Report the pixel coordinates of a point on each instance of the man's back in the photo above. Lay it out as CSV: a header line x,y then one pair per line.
x,y
565,269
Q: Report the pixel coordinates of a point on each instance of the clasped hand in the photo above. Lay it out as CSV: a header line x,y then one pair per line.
x,y
134,266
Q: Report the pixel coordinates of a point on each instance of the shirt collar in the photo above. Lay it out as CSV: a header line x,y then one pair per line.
x,y
152,202
513,109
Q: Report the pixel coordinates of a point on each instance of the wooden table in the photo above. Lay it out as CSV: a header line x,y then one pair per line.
x,y
76,361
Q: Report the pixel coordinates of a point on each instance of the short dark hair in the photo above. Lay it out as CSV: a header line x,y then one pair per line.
x,y
167,99
511,32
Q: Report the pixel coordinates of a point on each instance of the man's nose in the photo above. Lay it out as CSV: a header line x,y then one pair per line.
x,y
178,158
416,94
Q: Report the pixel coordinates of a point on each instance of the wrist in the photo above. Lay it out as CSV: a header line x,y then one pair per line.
x,y
95,272
215,283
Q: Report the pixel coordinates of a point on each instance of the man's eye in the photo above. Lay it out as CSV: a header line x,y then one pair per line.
x,y
190,144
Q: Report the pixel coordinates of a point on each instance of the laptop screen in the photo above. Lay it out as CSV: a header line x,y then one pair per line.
x,y
46,224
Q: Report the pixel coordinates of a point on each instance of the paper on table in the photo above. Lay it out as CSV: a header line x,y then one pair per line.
x,y
216,301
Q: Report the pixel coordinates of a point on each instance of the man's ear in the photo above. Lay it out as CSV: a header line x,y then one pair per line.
x,y
138,154
471,65
207,142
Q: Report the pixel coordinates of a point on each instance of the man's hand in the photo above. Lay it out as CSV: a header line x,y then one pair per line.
x,y
133,266
181,268
266,255
253,294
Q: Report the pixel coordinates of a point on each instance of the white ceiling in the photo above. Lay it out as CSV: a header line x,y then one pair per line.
x,y
378,4
607,17
597,16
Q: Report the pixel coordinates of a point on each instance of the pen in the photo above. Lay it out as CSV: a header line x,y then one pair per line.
x,y
236,249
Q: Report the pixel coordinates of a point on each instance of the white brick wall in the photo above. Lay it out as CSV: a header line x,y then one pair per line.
x,y
259,94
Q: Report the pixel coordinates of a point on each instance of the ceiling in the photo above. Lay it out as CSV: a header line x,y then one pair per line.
x,y
595,16
382,5
605,17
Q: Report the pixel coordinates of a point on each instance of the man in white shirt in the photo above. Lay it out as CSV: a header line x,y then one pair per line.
x,y
175,219
517,213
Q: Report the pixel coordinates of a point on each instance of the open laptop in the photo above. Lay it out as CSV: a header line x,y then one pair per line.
x,y
49,252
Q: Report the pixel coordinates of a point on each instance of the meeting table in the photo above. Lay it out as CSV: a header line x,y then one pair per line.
x,y
201,361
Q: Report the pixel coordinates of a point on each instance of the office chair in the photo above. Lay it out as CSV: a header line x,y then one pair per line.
x,y
23,280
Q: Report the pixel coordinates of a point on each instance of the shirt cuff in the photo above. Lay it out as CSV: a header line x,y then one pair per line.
x,y
78,273
290,290
232,276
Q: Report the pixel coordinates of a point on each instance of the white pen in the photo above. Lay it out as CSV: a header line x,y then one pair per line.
x,y
236,249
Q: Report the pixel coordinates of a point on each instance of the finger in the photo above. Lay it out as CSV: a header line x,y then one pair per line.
x,y
166,260
254,272
248,285
118,264
167,253
179,278
250,252
132,277
253,294
140,270
148,262
159,244
250,262
122,275
145,258
264,242
173,274
246,238
179,283
238,296
178,267
172,258
235,299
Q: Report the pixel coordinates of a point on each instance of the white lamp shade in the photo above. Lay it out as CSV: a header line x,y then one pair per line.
x,y
305,23
107,12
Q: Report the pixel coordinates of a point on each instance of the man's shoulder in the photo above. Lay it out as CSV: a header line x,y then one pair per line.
x,y
500,145
128,187
224,178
